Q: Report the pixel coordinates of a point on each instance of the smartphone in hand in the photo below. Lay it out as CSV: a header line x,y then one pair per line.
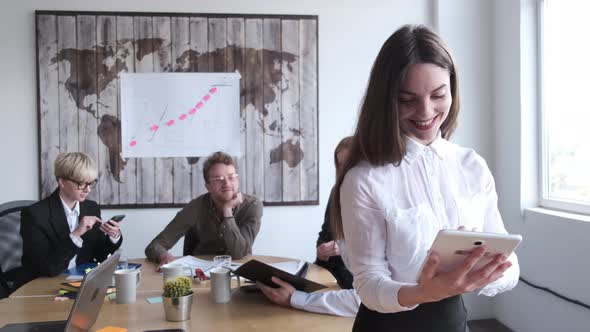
x,y
117,218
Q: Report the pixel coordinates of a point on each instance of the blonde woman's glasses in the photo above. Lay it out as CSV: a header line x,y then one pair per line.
x,y
84,185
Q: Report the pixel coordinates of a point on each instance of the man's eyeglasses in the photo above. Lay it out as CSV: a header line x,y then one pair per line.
x,y
84,185
221,179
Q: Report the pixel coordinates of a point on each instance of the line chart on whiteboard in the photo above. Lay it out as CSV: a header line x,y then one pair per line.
x,y
179,114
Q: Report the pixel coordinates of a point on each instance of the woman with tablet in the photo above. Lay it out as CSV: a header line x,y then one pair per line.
x,y
403,183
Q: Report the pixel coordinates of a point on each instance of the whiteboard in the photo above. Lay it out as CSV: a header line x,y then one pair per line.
x,y
179,114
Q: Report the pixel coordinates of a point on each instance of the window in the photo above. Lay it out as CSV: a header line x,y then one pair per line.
x,y
565,91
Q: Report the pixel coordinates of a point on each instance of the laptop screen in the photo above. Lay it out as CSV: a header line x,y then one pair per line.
x,y
91,295
86,307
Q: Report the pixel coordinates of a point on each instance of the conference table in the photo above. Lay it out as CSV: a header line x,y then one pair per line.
x,y
246,311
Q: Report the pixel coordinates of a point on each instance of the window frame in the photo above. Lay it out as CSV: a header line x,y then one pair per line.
x,y
544,200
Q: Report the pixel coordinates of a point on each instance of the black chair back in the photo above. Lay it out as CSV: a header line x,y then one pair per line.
x,y
11,244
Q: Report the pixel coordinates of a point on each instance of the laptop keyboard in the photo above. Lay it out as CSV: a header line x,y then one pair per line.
x,y
50,327
55,326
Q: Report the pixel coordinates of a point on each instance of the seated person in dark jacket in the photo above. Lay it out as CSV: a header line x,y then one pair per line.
x,y
65,229
328,253
222,221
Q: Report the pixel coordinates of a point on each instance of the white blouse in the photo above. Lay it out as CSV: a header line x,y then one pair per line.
x,y
343,302
391,214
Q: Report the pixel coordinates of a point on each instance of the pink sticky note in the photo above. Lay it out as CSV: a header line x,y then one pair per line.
x,y
133,143
170,122
154,127
207,97
192,111
213,90
199,105
182,117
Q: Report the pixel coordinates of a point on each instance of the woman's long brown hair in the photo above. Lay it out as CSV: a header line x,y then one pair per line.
x,y
378,138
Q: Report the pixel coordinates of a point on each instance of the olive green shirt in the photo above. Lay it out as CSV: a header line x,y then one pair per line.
x,y
207,232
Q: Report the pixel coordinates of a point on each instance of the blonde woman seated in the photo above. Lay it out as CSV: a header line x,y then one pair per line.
x,y
65,229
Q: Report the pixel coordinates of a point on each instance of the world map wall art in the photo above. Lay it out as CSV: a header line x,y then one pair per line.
x,y
81,57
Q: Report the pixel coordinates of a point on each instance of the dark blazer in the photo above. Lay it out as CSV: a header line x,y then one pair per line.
x,y
334,264
47,246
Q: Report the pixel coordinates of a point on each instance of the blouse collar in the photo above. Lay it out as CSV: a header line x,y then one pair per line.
x,y
414,148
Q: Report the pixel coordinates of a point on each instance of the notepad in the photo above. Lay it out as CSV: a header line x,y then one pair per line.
x,y
258,271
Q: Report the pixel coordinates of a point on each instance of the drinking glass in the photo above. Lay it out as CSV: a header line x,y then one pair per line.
x,y
222,261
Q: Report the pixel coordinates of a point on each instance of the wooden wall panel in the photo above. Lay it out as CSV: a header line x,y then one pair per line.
x,y
107,109
48,101
145,47
273,121
126,51
163,167
180,35
80,58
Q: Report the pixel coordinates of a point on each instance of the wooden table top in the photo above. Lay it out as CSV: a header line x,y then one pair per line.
x,y
152,280
245,311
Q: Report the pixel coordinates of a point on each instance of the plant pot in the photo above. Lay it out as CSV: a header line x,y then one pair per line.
x,y
178,309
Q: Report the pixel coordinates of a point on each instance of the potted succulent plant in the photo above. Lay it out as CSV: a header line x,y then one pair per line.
x,y
178,299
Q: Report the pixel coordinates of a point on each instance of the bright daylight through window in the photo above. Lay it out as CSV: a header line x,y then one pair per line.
x,y
565,73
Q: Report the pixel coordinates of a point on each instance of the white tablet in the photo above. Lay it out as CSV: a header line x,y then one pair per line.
x,y
454,246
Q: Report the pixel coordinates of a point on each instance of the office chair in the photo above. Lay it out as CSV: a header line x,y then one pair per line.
x,y
11,244
189,243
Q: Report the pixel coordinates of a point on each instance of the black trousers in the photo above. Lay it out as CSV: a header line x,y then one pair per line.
x,y
448,315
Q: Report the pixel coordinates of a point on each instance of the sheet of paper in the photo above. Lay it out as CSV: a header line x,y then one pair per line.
x,y
197,263
289,266
179,114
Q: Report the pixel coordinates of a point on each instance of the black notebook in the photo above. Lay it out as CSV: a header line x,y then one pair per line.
x,y
258,271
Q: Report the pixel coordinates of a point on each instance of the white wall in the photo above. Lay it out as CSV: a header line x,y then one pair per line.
x,y
554,252
351,33
466,25
346,54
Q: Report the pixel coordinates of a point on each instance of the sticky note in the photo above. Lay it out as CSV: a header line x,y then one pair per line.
x,y
156,299
112,329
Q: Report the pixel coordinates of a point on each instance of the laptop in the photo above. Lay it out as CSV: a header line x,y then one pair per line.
x,y
86,306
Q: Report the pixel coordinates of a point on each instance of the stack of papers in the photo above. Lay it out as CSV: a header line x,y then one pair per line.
x,y
70,289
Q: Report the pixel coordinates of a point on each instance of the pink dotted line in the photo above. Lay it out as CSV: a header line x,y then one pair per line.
x,y
183,116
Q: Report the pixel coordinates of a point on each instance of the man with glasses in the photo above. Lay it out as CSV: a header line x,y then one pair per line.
x,y
222,221
65,229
